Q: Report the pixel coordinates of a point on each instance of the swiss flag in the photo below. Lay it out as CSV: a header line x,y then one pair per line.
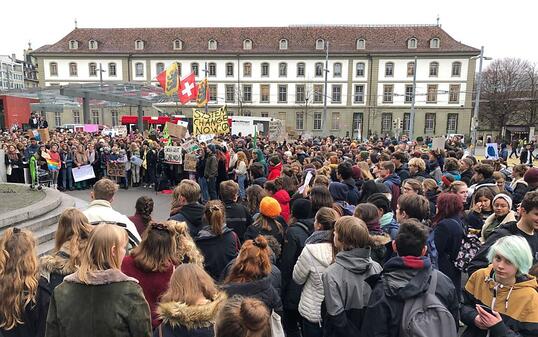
x,y
188,90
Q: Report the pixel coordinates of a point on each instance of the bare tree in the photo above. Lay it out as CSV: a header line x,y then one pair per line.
x,y
529,97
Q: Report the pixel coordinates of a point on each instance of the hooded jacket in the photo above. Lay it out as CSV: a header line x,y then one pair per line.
x,y
379,240
238,218
447,235
517,305
211,166
56,266
308,271
389,225
403,278
283,199
261,289
466,176
274,171
493,222
294,242
111,304
218,250
393,183
180,319
192,214
520,188
346,292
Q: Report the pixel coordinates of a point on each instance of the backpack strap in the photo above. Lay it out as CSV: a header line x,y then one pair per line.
x,y
303,226
433,282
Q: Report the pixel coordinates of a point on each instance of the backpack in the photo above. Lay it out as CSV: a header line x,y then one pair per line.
x,y
432,250
470,245
425,315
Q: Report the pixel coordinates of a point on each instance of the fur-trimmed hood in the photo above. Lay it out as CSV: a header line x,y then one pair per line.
x,y
191,316
379,239
60,262
101,277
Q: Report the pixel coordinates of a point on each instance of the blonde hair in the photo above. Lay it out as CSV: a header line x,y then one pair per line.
x,y
98,253
104,189
73,226
156,252
215,216
365,170
418,162
18,276
186,249
188,283
188,189
241,156
429,185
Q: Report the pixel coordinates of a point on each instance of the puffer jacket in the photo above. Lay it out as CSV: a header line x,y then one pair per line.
x,y
60,264
111,304
516,304
308,271
346,292
180,319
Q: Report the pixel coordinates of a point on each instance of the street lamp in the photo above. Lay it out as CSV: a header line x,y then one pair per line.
x,y
477,100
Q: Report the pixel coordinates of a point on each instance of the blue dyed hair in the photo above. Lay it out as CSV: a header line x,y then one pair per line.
x,y
515,249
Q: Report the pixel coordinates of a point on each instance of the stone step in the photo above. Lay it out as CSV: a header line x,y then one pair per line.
x,y
49,218
45,248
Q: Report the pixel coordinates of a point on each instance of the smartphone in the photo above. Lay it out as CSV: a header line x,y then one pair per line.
x,y
486,308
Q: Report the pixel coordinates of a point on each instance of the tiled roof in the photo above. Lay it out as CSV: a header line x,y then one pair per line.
x,y
301,39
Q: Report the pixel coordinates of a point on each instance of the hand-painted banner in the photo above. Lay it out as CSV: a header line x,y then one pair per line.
x,y
190,162
172,154
214,122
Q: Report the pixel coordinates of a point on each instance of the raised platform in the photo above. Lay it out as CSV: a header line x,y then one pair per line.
x,y
41,216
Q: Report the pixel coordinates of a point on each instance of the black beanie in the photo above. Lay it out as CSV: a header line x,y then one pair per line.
x,y
302,209
380,201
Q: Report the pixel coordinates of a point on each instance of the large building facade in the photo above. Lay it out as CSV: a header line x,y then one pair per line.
x,y
280,72
11,73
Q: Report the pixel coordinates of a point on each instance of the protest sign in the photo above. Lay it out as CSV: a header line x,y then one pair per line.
x,y
492,151
213,122
205,138
83,173
172,154
175,130
91,128
438,143
190,162
276,130
190,146
115,169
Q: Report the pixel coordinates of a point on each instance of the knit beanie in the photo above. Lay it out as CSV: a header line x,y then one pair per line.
x,y
270,207
302,209
505,197
357,173
531,176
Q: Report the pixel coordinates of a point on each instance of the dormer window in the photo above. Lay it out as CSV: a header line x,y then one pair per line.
x,y
412,43
247,44
212,45
320,44
92,44
361,44
283,44
178,44
435,43
139,45
73,44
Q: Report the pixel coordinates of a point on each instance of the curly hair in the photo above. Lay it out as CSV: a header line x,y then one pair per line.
x,y
186,250
144,207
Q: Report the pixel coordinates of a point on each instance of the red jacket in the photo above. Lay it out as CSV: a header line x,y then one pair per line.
x,y
153,284
283,199
274,171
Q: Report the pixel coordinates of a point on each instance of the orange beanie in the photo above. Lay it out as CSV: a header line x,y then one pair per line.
x,y
270,207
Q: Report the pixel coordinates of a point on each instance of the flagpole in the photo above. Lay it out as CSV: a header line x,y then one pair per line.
x,y
207,87
178,79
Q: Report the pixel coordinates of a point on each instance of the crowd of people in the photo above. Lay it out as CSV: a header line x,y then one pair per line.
x,y
311,238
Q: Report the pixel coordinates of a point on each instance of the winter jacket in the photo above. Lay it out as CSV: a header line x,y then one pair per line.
x,y
274,171
283,199
294,242
447,236
346,291
260,289
153,284
256,229
402,172
489,182
260,181
192,214
393,183
217,250
238,218
378,243
211,166
520,188
481,261
102,211
139,223
183,320
466,176
58,265
308,271
111,304
432,198
517,305
34,315
276,275
493,222
353,194
403,278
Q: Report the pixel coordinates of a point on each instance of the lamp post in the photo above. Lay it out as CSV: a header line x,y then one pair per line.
x,y
477,99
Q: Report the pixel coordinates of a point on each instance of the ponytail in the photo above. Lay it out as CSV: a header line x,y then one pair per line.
x,y
215,216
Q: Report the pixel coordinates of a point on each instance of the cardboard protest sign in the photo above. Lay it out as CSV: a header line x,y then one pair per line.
x,y
276,130
172,154
438,143
190,146
175,130
190,162
213,122
492,151
205,138
83,173
115,169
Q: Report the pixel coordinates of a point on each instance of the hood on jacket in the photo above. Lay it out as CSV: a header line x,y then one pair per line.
x,y
379,238
282,196
356,260
338,191
322,252
101,277
407,276
319,237
387,221
206,234
191,316
193,213
393,178
308,222
249,288
60,262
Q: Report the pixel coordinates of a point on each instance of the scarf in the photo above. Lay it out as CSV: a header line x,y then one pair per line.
x,y
386,219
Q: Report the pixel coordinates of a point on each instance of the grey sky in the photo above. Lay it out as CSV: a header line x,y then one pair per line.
x,y
506,29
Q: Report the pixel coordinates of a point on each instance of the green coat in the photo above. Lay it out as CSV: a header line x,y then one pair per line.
x,y
112,305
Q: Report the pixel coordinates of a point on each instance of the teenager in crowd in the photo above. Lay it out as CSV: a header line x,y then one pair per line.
x,y
431,192
269,222
518,184
387,219
243,317
70,239
502,213
185,206
378,238
412,186
275,189
25,295
481,208
255,194
238,217
117,306
186,249
461,189
142,217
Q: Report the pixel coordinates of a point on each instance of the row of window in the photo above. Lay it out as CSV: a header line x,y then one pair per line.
x,y
95,118
429,122
431,95
212,44
433,69
92,69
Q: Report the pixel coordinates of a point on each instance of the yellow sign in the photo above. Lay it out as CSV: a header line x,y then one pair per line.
x,y
213,122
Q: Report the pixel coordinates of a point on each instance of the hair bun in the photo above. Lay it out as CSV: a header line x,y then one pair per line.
x,y
254,314
260,241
